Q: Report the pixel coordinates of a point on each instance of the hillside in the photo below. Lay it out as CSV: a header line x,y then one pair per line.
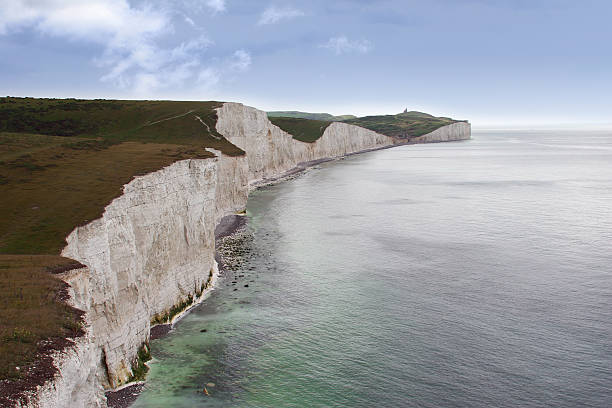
x,y
308,127
406,125
115,121
311,116
55,156
304,130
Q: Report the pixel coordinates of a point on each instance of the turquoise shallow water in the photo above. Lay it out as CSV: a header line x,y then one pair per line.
x,y
476,274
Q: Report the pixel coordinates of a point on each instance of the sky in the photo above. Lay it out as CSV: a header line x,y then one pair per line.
x,y
497,63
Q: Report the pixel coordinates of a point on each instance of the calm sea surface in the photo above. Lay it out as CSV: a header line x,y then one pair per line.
x,y
468,274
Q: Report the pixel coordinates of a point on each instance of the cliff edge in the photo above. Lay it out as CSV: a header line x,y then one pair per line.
x,y
151,254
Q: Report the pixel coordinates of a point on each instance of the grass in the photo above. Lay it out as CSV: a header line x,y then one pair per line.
x,y
311,116
304,130
167,316
82,154
407,125
61,163
144,121
139,366
54,190
308,127
13,145
33,310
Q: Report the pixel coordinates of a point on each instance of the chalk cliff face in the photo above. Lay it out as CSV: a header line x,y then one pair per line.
x,y
232,181
153,248
450,133
271,151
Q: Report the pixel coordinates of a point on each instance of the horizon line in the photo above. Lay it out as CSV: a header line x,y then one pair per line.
x,y
477,125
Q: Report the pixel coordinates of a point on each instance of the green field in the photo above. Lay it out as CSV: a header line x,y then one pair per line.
x,y
406,125
308,127
304,130
116,121
63,161
307,115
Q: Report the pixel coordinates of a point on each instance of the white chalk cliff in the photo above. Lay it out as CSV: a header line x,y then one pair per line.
x,y
154,247
449,133
272,152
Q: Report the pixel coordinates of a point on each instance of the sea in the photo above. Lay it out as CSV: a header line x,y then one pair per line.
x,y
466,274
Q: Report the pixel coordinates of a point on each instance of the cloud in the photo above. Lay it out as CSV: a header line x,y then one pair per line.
x,y
342,45
189,21
273,15
130,38
216,5
148,67
240,61
190,48
113,22
208,78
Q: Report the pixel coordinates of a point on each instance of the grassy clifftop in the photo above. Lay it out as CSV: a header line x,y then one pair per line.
x,y
307,115
308,127
61,163
405,125
35,320
304,130
168,122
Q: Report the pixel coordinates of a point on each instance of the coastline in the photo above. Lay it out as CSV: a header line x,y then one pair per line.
x,y
261,343
229,225
126,395
162,274
301,167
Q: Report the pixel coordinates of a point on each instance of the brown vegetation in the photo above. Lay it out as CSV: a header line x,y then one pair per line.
x,y
61,163
35,322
